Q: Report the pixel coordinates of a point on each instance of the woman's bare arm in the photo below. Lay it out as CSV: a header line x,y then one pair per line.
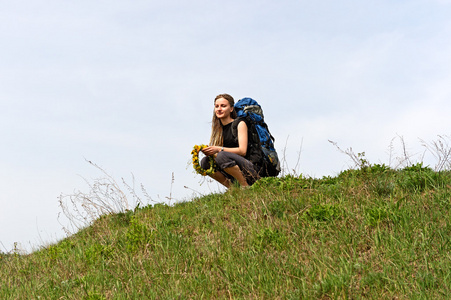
x,y
242,143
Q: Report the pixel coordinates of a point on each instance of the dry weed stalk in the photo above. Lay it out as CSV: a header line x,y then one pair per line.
x,y
441,150
358,159
105,196
285,169
403,160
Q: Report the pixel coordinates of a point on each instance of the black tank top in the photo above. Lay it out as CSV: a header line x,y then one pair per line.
x,y
229,140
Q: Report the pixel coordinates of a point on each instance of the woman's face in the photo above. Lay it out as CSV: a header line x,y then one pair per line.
x,y
222,108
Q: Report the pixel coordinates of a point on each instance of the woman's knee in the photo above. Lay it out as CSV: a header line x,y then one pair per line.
x,y
221,157
223,160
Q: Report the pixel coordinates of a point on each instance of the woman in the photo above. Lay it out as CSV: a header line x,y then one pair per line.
x,y
230,152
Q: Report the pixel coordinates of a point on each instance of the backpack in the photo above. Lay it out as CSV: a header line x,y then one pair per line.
x,y
261,142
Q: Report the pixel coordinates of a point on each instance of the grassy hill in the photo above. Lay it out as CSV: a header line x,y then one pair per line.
x,y
373,233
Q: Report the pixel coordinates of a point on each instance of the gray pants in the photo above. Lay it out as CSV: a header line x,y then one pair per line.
x,y
226,160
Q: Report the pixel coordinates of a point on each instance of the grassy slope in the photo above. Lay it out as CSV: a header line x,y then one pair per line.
x,y
372,233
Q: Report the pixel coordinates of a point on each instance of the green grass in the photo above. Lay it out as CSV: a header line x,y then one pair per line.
x,y
372,233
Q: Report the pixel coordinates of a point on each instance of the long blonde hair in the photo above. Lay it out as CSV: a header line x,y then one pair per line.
x,y
216,138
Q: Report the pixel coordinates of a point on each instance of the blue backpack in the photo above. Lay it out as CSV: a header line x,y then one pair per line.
x,y
261,142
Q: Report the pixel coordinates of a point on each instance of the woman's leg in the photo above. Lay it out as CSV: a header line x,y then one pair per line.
x,y
218,176
232,166
238,167
237,174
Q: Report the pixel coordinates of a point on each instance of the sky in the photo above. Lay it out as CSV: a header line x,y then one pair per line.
x,y
129,86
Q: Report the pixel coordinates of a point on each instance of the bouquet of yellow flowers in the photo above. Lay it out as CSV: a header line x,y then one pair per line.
x,y
196,164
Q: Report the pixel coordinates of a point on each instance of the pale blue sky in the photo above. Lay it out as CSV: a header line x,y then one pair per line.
x,y
130,86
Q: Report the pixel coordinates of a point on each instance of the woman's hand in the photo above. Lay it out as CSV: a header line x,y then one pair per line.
x,y
211,150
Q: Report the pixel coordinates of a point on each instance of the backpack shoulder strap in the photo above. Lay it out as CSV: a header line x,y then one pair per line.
x,y
235,125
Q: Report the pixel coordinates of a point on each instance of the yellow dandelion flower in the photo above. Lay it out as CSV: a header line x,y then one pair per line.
x,y
196,165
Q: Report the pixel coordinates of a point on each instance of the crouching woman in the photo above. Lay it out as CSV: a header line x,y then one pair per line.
x,y
235,160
